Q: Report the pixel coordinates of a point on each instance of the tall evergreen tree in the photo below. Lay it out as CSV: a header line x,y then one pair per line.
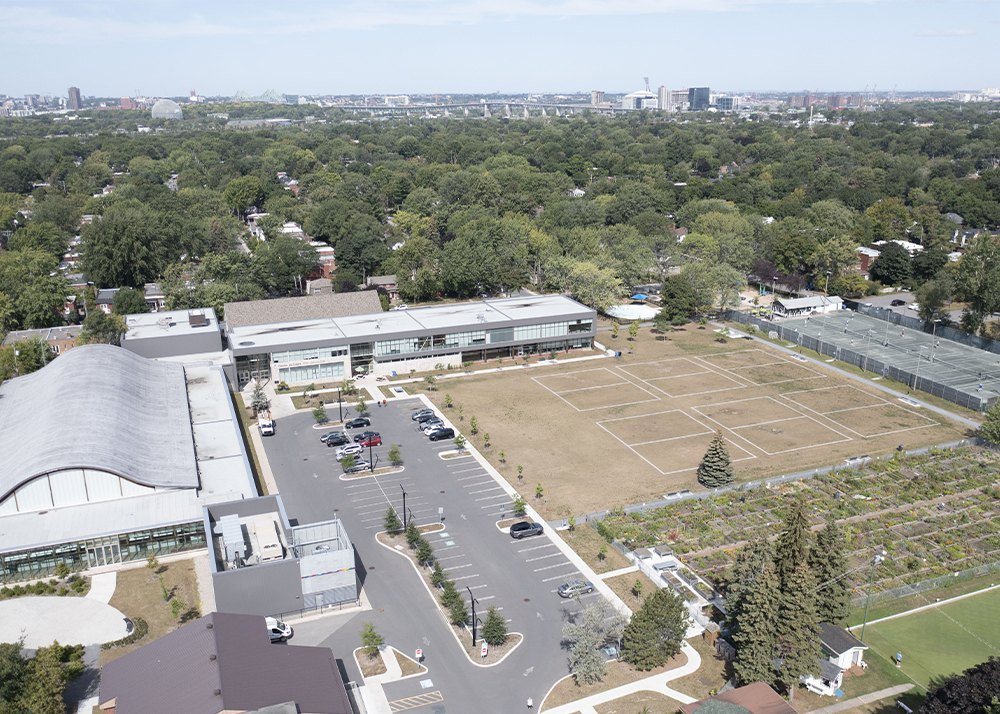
x,y
793,544
716,469
755,634
654,633
797,628
828,563
748,565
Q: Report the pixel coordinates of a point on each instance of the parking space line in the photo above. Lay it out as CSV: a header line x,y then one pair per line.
x,y
478,483
477,587
450,557
550,567
560,577
468,577
485,490
474,468
543,557
459,567
537,547
466,478
447,547
490,498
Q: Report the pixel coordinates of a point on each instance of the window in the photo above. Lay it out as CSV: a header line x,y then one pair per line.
x,y
504,334
309,354
312,372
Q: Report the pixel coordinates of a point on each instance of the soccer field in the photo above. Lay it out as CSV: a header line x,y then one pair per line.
x,y
942,640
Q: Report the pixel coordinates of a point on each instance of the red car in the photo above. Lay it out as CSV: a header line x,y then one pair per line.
x,y
375,440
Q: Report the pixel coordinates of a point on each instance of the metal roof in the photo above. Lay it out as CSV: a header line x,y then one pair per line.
x,y
266,312
838,640
126,415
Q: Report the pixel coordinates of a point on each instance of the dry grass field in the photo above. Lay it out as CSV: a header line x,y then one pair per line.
x,y
608,432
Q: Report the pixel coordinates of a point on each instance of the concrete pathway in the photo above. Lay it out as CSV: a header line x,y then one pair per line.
x,y
71,620
102,587
620,571
372,692
864,699
656,683
206,593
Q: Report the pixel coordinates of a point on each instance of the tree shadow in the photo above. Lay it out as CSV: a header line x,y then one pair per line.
x,y
190,615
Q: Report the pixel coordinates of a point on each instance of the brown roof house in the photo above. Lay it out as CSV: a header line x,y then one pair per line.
x,y
756,698
222,663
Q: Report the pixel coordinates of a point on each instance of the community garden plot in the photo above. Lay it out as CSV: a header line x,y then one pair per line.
x,y
615,395
743,358
748,412
661,426
684,453
859,412
693,384
650,371
825,400
789,435
776,373
584,379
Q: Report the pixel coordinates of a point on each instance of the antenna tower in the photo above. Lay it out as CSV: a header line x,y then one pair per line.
x,y
647,85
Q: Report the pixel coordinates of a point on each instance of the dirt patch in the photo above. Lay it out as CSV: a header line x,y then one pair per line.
x,y
680,455
831,399
584,379
406,665
882,419
774,373
138,593
654,427
369,666
664,369
587,543
747,412
790,434
606,397
744,358
618,673
710,677
646,701
701,383
623,586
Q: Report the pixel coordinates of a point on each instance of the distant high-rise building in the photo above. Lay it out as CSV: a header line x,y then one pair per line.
x,y
596,96
835,101
665,99
127,103
699,98
727,104
74,99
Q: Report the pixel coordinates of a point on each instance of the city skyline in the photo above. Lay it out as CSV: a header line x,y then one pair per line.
x,y
413,46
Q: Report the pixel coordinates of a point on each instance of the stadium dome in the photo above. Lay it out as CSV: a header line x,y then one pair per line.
x,y
166,109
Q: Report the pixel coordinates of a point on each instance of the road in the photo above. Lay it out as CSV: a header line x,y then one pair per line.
x,y
519,577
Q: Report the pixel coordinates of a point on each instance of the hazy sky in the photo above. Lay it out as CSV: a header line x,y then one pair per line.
x,y
167,48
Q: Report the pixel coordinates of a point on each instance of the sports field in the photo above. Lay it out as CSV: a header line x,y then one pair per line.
x,y
940,641
605,432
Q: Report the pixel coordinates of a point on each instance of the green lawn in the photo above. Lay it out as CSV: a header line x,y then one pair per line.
x,y
942,640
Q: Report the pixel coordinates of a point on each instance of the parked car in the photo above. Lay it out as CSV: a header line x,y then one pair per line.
x,y
427,417
336,438
897,303
359,465
913,306
432,426
525,529
349,450
439,434
364,435
575,587
277,630
422,412
358,423
373,440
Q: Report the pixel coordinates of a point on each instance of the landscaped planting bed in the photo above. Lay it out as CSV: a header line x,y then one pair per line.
x,y
934,514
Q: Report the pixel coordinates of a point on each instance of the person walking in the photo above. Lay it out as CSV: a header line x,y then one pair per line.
x,y
531,703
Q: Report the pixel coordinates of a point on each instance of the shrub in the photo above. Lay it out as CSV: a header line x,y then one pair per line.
x,y
495,628
371,640
520,506
141,628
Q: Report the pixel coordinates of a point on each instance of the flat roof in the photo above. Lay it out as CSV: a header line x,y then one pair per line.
x,y
279,310
147,325
66,332
480,315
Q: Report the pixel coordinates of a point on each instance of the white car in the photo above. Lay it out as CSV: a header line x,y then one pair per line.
x,y
913,306
400,307
349,450
432,426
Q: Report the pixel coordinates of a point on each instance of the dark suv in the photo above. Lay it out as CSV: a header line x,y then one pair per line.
x,y
525,529
357,423
337,438
897,303
446,433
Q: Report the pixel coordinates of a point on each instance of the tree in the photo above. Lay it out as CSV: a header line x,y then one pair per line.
x,y
348,463
600,625
459,442
828,564
494,630
892,267
458,613
633,330
889,218
716,469
258,400
438,575
978,282
431,380
319,413
242,193
797,628
932,297
677,298
473,426
41,236
99,327
747,567
755,637
395,457
129,301
595,287
655,633
793,543
126,247
412,534
425,552
520,506
973,692
614,330
371,640
390,521
637,588
447,401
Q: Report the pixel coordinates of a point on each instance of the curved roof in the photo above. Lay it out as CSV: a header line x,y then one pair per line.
x,y
98,407
167,109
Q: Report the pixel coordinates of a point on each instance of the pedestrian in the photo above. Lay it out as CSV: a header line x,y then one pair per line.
x,y
383,402
899,659
531,704
378,404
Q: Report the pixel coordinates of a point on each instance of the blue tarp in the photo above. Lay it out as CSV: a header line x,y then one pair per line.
x,y
638,296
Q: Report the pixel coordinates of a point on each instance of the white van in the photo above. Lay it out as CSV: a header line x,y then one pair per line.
x,y
277,630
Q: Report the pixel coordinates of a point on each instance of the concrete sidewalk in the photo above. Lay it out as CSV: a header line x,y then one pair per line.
x,y
656,683
102,586
863,699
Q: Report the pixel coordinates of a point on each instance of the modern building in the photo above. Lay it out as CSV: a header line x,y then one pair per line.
x,y
263,565
699,99
149,444
727,104
596,96
74,101
640,100
167,109
223,662
173,333
665,99
318,337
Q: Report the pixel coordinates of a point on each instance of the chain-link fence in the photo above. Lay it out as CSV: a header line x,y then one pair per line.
x,y
860,358
923,586
915,323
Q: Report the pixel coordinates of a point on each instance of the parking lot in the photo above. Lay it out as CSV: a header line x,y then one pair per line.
x,y
520,577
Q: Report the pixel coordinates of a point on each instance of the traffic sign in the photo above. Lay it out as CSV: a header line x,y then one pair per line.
x,y
484,650
420,655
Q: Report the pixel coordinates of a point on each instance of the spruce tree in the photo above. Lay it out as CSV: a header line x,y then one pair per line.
x,y
494,630
798,628
826,558
715,469
747,568
390,521
654,634
755,634
793,543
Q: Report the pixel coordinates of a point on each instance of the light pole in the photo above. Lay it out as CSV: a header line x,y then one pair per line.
x,y
340,406
404,504
888,321
933,336
878,559
826,291
916,379
822,336
867,351
472,601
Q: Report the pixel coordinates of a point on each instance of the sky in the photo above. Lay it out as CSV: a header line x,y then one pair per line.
x,y
166,48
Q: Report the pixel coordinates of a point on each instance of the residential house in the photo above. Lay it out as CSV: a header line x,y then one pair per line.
x,y
105,299
386,282
326,258
909,247
963,237
867,256
155,297
60,339
841,650
756,698
318,286
222,662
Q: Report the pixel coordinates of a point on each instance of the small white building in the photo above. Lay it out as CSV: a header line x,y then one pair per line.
x,y
842,651
816,305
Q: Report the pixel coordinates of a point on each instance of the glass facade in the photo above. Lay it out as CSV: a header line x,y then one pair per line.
x,y
309,354
427,343
41,562
312,372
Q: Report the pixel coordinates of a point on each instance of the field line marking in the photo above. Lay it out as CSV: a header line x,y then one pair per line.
x,y
670,438
927,607
596,386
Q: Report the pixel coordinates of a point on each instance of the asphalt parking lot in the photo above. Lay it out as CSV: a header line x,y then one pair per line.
x,y
518,576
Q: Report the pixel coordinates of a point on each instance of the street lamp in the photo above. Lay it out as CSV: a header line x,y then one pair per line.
x,y
826,290
822,335
916,379
867,351
888,321
933,336
340,405
472,601
875,561
404,504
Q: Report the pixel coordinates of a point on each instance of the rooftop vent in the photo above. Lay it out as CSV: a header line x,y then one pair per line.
x,y
197,320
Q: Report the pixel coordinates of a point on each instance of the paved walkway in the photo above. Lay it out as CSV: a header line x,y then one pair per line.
x,y
206,592
71,620
102,586
372,692
656,683
620,571
864,699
